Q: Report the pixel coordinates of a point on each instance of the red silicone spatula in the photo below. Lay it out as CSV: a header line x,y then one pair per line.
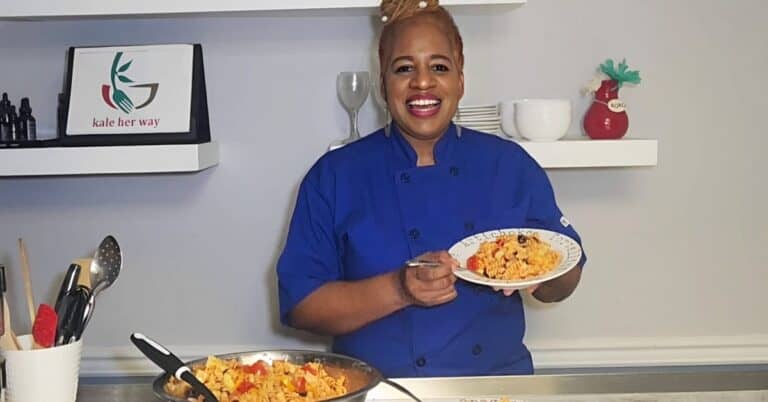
x,y
44,328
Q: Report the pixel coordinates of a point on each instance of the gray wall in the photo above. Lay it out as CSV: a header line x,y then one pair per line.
x,y
677,255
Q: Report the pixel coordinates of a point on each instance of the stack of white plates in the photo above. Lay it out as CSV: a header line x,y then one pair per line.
x,y
481,118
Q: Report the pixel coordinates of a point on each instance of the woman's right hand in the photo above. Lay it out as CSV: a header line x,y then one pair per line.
x,y
430,286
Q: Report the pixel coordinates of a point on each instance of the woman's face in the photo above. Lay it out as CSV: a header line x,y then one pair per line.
x,y
422,79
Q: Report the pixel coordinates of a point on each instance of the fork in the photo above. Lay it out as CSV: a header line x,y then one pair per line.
x,y
421,263
122,100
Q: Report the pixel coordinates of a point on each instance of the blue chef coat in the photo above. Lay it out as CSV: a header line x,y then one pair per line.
x,y
364,209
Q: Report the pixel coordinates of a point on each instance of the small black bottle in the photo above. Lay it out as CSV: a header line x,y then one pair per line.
x,y
5,126
27,123
5,103
13,121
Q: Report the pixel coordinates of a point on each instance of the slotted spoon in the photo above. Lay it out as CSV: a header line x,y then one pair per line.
x,y
104,270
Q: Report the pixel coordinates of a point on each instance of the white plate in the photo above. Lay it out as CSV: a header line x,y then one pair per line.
x,y
483,129
477,112
478,107
468,113
465,119
567,247
469,125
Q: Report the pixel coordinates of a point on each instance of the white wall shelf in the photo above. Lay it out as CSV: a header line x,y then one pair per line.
x,y
593,153
108,160
46,9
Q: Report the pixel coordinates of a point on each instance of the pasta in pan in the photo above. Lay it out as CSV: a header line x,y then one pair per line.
x,y
231,381
514,257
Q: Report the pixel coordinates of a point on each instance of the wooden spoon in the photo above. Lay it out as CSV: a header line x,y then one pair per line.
x,y
85,271
27,281
8,340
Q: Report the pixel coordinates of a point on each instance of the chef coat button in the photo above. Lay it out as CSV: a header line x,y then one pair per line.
x,y
477,349
405,178
414,233
454,171
421,362
469,226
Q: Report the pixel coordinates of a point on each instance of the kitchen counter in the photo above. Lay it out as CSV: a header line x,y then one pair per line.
x,y
720,386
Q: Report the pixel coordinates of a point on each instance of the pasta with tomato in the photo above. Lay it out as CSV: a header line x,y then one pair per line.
x,y
231,381
514,257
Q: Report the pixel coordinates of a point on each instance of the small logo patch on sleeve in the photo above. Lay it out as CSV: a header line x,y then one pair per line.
x,y
564,222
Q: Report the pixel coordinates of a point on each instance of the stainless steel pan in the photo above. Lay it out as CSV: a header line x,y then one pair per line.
x,y
361,377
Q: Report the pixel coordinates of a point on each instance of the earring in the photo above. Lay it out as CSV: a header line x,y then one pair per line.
x,y
387,122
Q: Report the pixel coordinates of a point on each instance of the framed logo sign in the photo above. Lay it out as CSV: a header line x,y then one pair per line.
x,y
134,95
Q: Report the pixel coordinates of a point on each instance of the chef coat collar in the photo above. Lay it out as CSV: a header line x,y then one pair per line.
x,y
443,148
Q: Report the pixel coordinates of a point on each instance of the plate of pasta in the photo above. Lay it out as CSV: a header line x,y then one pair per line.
x,y
515,258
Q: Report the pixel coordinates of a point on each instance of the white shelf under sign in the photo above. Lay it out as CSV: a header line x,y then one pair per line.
x,y
593,153
44,9
108,160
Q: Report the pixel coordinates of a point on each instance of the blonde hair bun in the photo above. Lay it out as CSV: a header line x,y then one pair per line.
x,y
394,10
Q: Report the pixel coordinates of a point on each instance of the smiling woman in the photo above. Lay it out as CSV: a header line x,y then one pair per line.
x,y
422,70
410,191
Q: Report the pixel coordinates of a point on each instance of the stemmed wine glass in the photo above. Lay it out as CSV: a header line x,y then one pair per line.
x,y
352,88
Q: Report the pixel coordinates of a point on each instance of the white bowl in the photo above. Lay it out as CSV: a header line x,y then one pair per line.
x,y
536,119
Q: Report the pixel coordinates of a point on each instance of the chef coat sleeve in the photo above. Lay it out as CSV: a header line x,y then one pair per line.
x,y
309,259
544,212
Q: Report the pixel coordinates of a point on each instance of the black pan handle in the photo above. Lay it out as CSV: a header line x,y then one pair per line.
x,y
171,364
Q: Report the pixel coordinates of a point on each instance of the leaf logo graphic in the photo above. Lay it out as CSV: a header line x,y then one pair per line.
x,y
115,97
